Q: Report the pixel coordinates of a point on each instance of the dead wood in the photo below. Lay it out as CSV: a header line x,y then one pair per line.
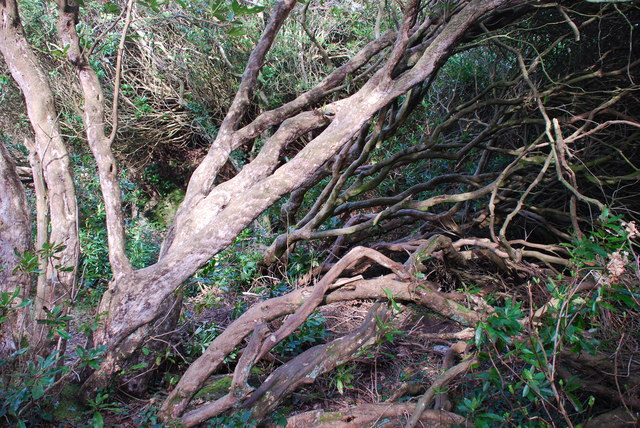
x,y
312,302
419,293
619,417
442,381
601,389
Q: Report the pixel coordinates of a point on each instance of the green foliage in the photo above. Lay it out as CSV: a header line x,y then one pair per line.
x,y
310,333
90,357
100,404
57,320
388,333
148,417
21,391
26,377
94,264
342,377
239,419
29,260
592,250
143,243
201,339
521,354
300,261
8,303
232,270
501,326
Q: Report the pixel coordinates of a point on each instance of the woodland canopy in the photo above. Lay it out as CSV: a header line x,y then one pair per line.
x,y
334,213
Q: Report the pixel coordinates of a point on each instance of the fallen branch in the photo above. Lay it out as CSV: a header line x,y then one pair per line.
x,y
305,301
316,297
368,415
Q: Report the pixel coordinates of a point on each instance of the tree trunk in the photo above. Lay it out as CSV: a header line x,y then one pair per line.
x,y
211,217
32,80
15,232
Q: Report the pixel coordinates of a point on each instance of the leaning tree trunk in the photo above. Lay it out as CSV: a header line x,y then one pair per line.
x,y
32,80
211,217
15,233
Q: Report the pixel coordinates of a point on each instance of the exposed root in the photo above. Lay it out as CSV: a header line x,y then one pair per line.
x,y
442,381
239,385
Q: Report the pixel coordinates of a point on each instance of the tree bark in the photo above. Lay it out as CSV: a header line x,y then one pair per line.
x,y
211,217
15,232
378,415
32,80
306,367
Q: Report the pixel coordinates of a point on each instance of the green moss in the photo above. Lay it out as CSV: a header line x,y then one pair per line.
x,y
330,417
167,208
217,389
69,408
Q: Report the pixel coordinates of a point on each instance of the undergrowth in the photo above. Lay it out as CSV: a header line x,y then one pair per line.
x,y
523,378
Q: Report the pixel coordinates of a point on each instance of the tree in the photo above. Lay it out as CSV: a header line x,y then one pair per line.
x,y
142,303
50,150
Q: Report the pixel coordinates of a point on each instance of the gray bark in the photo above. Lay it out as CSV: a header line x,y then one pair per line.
x,y
15,232
211,217
35,87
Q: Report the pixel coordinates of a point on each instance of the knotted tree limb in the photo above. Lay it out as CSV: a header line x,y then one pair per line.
x,y
311,303
423,294
303,302
377,288
412,388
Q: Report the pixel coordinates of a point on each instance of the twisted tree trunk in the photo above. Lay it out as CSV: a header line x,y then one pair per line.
x,y
211,217
137,301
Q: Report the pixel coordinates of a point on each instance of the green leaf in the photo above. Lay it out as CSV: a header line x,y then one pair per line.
x,y
478,336
139,366
24,303
64,334
239,9
151,4
98,420
37,392
218,9
236,31
112,8
81,352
